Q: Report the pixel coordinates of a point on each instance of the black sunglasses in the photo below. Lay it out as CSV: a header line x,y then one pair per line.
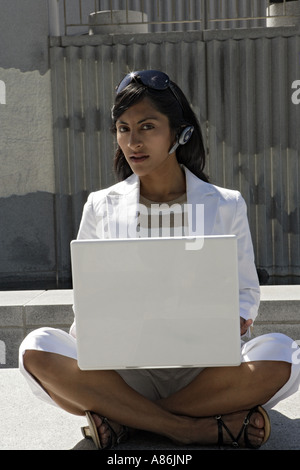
x,y
150,78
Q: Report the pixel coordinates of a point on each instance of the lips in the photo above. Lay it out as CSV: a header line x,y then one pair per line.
x,y
139,158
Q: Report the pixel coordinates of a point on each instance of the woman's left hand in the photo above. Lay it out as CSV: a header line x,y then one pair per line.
x,y
245,324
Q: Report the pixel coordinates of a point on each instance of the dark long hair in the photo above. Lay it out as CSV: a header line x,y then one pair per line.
x,y
180,114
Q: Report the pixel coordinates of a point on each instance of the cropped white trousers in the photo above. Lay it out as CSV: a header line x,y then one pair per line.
x,y
160,383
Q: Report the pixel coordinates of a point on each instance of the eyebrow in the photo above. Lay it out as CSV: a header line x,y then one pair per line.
x,y
150,118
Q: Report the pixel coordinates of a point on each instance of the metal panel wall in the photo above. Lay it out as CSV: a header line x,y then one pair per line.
x,y
254,141
169,15
236,14
241,91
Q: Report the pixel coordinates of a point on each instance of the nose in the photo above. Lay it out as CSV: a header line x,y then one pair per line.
x,y
134,141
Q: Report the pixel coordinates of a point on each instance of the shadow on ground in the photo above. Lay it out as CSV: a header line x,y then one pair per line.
x,y
280,439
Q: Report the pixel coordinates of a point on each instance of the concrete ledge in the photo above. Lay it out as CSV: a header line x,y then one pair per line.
x,y
24,311
279,311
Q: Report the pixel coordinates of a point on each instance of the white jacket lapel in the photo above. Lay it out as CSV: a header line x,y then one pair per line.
x,y
122,208
199,192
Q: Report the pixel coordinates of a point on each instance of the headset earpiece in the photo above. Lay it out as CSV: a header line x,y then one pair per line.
x,y
183,138
185,135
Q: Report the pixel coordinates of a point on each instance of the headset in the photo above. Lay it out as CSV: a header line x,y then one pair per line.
x,y
183,138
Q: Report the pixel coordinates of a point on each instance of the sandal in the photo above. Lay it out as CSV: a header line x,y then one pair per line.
x,y
91,432
244,429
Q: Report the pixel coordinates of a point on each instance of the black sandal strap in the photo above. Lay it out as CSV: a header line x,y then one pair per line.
x,y
220,430
235,440
115,438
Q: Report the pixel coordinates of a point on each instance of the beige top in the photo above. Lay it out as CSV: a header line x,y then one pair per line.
x,y
163,219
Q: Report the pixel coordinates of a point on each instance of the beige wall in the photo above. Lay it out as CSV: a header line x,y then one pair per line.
x,y
27,182
26,153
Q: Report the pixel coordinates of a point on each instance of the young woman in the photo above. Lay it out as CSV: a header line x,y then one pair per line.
x,y
160,159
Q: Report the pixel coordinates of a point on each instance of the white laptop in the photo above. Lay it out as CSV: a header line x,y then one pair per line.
x,y
156,302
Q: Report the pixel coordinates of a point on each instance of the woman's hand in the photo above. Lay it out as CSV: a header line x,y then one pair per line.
x,y
245,324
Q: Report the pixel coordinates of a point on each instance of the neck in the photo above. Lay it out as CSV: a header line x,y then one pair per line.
x,y
165,186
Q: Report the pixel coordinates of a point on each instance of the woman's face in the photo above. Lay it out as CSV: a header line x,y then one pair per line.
x,y
145,137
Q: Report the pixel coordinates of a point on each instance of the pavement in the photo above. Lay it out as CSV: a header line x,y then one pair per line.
x,y
30,424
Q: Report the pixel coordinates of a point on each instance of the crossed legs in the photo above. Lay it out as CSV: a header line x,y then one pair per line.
x,y
185,416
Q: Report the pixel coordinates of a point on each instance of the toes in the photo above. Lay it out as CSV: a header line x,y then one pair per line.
x,y
257,420
255,441
255,436
97,419
103,429
254,431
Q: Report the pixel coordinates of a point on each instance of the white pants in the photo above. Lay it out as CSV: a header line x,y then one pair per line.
x,y
159,383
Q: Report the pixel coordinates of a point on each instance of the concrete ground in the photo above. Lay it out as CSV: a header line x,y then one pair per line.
x,y
29,424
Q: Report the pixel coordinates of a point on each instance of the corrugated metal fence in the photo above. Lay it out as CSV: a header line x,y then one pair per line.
x,y
239,86
169,15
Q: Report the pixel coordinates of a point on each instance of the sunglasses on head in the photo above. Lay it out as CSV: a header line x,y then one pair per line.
x,y
153,79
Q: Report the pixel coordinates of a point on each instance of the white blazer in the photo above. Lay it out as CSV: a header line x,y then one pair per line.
x,y
112,212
